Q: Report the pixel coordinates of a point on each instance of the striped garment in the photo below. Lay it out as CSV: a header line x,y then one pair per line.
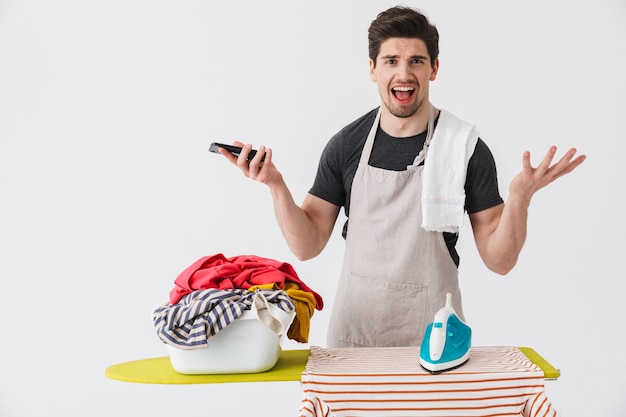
x,y
497,381
204,313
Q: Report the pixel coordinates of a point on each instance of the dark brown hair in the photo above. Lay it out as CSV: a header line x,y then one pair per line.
x,y
402,22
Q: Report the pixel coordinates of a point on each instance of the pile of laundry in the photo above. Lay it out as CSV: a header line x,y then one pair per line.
x,y
214,291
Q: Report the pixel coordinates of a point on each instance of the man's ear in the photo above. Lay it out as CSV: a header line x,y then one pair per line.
x,y
433,74
372,70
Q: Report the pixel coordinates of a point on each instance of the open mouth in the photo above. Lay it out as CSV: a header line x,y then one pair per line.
x,y
403,93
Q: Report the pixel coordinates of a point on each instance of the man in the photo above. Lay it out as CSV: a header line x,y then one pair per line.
x,y
404,185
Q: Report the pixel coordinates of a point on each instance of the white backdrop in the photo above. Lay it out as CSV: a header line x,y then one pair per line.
x,y
108,191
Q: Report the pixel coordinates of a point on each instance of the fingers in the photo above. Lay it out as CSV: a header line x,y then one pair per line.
x,y
258,161
233,158
260,167
546,163
526,162
546,171
544,166
576,162
242,160
567,165
227,154
567,157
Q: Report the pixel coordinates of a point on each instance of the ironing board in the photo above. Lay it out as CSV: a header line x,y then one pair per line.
x,y
497,380
159,371
289,367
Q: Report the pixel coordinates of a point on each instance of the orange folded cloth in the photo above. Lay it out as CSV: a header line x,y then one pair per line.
x,y
304,302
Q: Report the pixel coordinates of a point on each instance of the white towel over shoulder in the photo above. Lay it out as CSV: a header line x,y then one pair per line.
x,y
445,170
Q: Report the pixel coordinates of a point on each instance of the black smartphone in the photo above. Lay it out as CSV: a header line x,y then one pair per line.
x,y
235,150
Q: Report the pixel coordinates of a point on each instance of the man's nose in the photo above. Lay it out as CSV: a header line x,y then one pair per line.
x,y
404,72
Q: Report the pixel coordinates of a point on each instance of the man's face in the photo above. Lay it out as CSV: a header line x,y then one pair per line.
x,y
402,72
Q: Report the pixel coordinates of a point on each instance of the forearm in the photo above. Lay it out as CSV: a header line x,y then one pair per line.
x,y
305,228
501,240
505,244
301,232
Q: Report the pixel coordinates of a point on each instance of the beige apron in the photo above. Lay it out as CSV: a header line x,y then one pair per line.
x,y
395,274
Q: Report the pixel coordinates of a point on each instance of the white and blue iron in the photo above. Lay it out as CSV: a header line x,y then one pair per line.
x,y
447,341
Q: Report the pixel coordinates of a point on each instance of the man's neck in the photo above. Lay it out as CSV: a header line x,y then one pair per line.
x,y
403,127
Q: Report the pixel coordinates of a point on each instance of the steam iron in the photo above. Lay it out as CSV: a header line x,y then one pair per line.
x,y
447,341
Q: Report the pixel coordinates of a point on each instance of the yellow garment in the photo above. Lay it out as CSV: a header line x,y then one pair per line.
x,y
305,307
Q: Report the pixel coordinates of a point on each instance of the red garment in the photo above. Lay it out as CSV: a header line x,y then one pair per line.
x,y
241,272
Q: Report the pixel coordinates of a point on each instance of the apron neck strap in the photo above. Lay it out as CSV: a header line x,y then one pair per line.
x,y
429,135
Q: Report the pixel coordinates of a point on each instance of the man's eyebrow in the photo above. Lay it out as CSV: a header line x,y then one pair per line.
x,y
398,56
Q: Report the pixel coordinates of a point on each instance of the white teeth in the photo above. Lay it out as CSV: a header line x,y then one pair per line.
x,y
403,88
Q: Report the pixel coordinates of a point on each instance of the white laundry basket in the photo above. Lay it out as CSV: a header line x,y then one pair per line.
x,y
244,346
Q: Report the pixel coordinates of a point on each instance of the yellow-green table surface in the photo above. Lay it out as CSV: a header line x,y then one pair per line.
x,y
288,368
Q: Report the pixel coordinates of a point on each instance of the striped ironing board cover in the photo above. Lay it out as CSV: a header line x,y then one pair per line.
x,y
497,381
